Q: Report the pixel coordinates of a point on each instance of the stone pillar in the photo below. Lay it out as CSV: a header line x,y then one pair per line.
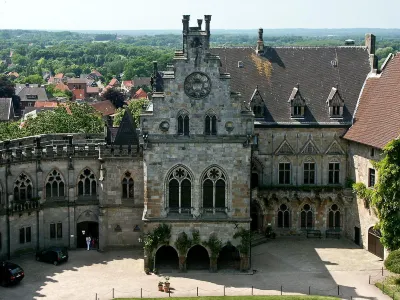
x,y
244,262
103,224
41,230
214,264
182,263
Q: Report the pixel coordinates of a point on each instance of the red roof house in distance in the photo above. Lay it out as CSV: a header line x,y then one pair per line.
x,y
106,108
62,87
114,83
46,104
140,94
127,85
78,94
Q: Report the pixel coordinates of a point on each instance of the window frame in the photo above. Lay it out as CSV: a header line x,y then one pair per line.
x,y
210,124
25,235
285,216
334,173
49,186
309,174
83,178
333,215
371,177
219,186
180,175
128,186
287,173
183,124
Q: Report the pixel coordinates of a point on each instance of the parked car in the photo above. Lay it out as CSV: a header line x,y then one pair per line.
x,y
10,273
54,255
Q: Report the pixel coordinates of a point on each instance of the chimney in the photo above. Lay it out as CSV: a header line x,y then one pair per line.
x,y
207,19
185,22
370,44
199,22
260,42
155,69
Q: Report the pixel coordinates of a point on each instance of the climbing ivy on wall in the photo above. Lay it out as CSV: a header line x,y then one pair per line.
x,y
385,196
245,236
159,236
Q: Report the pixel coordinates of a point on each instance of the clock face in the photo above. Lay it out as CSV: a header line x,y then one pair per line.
x,y
197,85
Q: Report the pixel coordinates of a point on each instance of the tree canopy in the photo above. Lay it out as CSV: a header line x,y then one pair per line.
x,y
135,107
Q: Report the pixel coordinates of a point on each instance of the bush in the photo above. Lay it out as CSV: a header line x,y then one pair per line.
x,y
392,262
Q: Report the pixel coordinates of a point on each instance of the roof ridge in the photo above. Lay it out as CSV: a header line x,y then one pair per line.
x,y
291,47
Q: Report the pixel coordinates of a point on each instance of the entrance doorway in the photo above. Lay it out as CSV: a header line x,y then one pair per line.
x,y
197,258
357,234
229,258
85,229
256,217
374,243
167,259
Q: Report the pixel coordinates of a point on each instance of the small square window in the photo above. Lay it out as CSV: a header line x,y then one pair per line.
x,y
372,152
371,177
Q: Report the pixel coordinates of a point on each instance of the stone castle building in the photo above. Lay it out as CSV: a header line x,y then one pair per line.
x,y
235,139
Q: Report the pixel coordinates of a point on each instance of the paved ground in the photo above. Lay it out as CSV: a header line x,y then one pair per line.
x,y
295,263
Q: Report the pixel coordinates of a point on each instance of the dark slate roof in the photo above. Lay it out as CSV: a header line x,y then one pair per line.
x,y
39,91
314,69
126,134
377,119
6,109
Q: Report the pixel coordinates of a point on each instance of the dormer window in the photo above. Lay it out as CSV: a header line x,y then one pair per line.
x,y
297,103
335,103
257,104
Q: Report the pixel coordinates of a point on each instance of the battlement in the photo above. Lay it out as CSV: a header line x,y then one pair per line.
x,y
53,146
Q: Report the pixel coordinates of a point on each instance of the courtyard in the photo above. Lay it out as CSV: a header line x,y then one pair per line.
x,y
295,265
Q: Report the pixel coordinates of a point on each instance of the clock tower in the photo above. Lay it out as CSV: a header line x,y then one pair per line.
x,y
197,153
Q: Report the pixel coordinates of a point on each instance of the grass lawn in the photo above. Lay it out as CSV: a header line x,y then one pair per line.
x,y
390,286
243,298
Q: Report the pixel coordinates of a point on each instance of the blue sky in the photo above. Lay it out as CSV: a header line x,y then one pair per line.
x,y
226,14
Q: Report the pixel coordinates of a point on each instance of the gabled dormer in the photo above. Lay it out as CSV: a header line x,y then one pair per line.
x,y
335,103
297,103
257,104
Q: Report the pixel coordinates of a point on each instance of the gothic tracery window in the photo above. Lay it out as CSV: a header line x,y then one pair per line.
x,y
23,188
183,124
283,216
334,217
306,217
127,186
214,189
179,190
55,186
87,184
210,125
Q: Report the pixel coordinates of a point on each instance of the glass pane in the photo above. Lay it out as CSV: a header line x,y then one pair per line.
x,y
61,189
330,177
87,186
180,125
28,236
52,231
124,190
59,230
131,189
29,192
208,194
214,125
94,188
186,126
220,194
280,219
207,125
337,219
312,177
286,219
330,221
186,197
48,190
54,189
22,194
303,219
173,193
287,177
80,188
336,177
309,219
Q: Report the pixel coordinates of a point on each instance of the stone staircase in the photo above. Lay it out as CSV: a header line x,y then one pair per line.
x,y
258,239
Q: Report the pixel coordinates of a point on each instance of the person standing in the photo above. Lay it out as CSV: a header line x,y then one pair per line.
x,y
88,240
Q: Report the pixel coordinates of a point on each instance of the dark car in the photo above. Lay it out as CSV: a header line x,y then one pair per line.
x,y
54,255
10,273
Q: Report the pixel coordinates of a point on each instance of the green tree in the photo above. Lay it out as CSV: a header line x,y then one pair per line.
x,y
115,96
34,79
135,107
7,88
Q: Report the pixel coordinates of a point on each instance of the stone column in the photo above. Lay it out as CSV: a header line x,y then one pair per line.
x,y
214,264
182,263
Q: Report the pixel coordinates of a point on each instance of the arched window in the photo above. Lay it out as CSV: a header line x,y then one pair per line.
x,y
183,123
210,125
306,217
214,190
179,191
87,184
334,216
127,186
55,186
23,189
283,216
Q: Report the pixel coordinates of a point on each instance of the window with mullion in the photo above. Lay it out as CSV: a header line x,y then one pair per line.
x,y
284,173
309,173
334,171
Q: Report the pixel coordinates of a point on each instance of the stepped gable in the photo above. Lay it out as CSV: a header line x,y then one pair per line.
x,y
377,119
313,70
126,134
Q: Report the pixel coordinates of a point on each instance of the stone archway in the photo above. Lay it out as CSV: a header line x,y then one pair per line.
x,y
198,258
229,258
166,258
257,217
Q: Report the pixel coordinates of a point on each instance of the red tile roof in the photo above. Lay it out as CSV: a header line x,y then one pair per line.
x,y
46,104
97,73
127,83
62,87
59,76
114,82
106,108
377,119
140,94
92,90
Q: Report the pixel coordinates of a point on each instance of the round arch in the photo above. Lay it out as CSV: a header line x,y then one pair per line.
x,y
229,258
166,258
198,258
